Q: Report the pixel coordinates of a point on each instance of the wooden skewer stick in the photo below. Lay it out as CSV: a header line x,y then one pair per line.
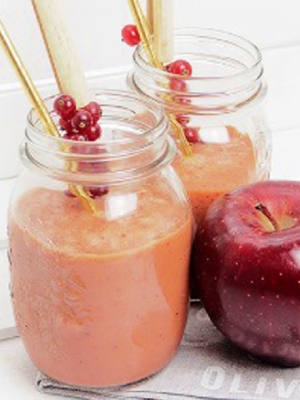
x,y
38,106
163,29
66,65
150,17
65,61
146,38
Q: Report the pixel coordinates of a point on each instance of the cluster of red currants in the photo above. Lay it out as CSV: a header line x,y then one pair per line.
x,y
130,36
183,68
80,125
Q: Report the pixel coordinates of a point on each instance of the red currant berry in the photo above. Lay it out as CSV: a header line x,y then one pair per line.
x,y
67,136
65,106
84,167
80,149
66,126
95,110
169,68
178,85
74,135
100,167
93,133
192,135
79,137
97,192
82,121
182,100
96,150
93,150
130,35
180,67
183,119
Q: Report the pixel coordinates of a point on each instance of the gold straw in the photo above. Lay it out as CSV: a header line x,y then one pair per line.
x,y
182,141
38,105
147,41
27,82
143,28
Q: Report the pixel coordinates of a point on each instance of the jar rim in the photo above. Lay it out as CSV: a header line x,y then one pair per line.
x,y
137,146
38,130
208,33
230,77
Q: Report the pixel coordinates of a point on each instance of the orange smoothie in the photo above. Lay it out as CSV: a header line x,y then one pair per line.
x,y
100,300
216,169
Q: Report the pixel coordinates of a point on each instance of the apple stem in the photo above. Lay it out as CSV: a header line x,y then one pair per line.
x,y
263,209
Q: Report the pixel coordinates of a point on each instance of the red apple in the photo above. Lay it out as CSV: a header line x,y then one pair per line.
x,y
247,269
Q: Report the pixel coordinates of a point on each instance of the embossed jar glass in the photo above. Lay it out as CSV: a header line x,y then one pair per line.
x,y
220,105
101,298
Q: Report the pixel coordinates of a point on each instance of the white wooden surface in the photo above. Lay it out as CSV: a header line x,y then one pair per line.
x,y
268,23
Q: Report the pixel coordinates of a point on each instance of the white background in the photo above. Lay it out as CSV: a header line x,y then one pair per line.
x,y
274,25
97,24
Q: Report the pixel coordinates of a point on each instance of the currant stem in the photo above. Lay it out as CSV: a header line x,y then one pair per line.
x,y
265,211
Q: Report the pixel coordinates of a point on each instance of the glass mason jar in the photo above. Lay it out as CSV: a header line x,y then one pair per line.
x,y
101,298
219,107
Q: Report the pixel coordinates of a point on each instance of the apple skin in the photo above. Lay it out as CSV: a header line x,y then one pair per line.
x,y
247,276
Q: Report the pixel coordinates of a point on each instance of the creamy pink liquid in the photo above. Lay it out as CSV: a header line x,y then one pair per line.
x,y
98,302
216,169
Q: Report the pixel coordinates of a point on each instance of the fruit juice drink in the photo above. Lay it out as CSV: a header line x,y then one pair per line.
x,y
214,88
101,299
99,307
216,169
